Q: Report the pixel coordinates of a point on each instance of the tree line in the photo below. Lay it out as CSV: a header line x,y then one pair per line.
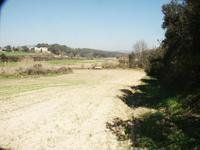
x,y
78,52
173,85
176,62
178,65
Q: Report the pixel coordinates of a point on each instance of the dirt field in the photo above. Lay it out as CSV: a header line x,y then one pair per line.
x,y
64,112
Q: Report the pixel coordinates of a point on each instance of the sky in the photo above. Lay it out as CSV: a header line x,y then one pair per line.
x,y
100,24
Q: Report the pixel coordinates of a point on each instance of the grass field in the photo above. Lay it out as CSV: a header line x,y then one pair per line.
x,y
57,62
12,86
73,61
67,61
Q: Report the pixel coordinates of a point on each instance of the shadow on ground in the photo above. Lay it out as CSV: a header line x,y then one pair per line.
x,y
166,128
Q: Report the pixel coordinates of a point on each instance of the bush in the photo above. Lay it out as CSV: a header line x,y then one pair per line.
x,y
123,62
63,70
140,60
3,58
154,63
36,69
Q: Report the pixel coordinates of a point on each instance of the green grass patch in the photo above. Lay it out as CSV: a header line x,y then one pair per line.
x,y
64,62
8,64
173,106
17,53
13,86
71,61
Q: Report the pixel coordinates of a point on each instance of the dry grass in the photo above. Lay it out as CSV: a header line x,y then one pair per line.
x,y
110,65
28,67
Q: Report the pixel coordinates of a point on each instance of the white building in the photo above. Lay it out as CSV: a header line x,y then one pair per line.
x,y
41,50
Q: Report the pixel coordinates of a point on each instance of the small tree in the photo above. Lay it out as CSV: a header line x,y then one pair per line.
x,y
75,52
25,48
8,48
140,46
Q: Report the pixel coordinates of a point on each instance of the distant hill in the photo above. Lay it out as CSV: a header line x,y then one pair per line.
x,y
79,52
86,52
61,50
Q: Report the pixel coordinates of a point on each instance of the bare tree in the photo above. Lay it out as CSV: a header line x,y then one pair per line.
x,y
75,52
136,58
140,46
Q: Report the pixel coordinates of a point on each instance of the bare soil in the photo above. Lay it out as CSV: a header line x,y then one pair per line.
x,y
66,116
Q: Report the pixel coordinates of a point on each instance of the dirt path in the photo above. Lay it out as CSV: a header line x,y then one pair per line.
x,y
67,116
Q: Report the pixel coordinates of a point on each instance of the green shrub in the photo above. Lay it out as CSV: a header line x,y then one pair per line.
x,y
3,58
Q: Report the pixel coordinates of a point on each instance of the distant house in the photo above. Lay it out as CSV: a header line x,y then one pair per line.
x,y
41,50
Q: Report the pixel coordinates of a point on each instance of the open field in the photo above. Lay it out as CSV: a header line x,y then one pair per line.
x,y
28,67
80,63
64,112
58,62
76,63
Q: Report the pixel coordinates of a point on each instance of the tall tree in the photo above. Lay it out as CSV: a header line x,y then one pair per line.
x,y
180,65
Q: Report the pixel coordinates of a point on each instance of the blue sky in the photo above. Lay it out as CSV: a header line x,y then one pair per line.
x,y
100,24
